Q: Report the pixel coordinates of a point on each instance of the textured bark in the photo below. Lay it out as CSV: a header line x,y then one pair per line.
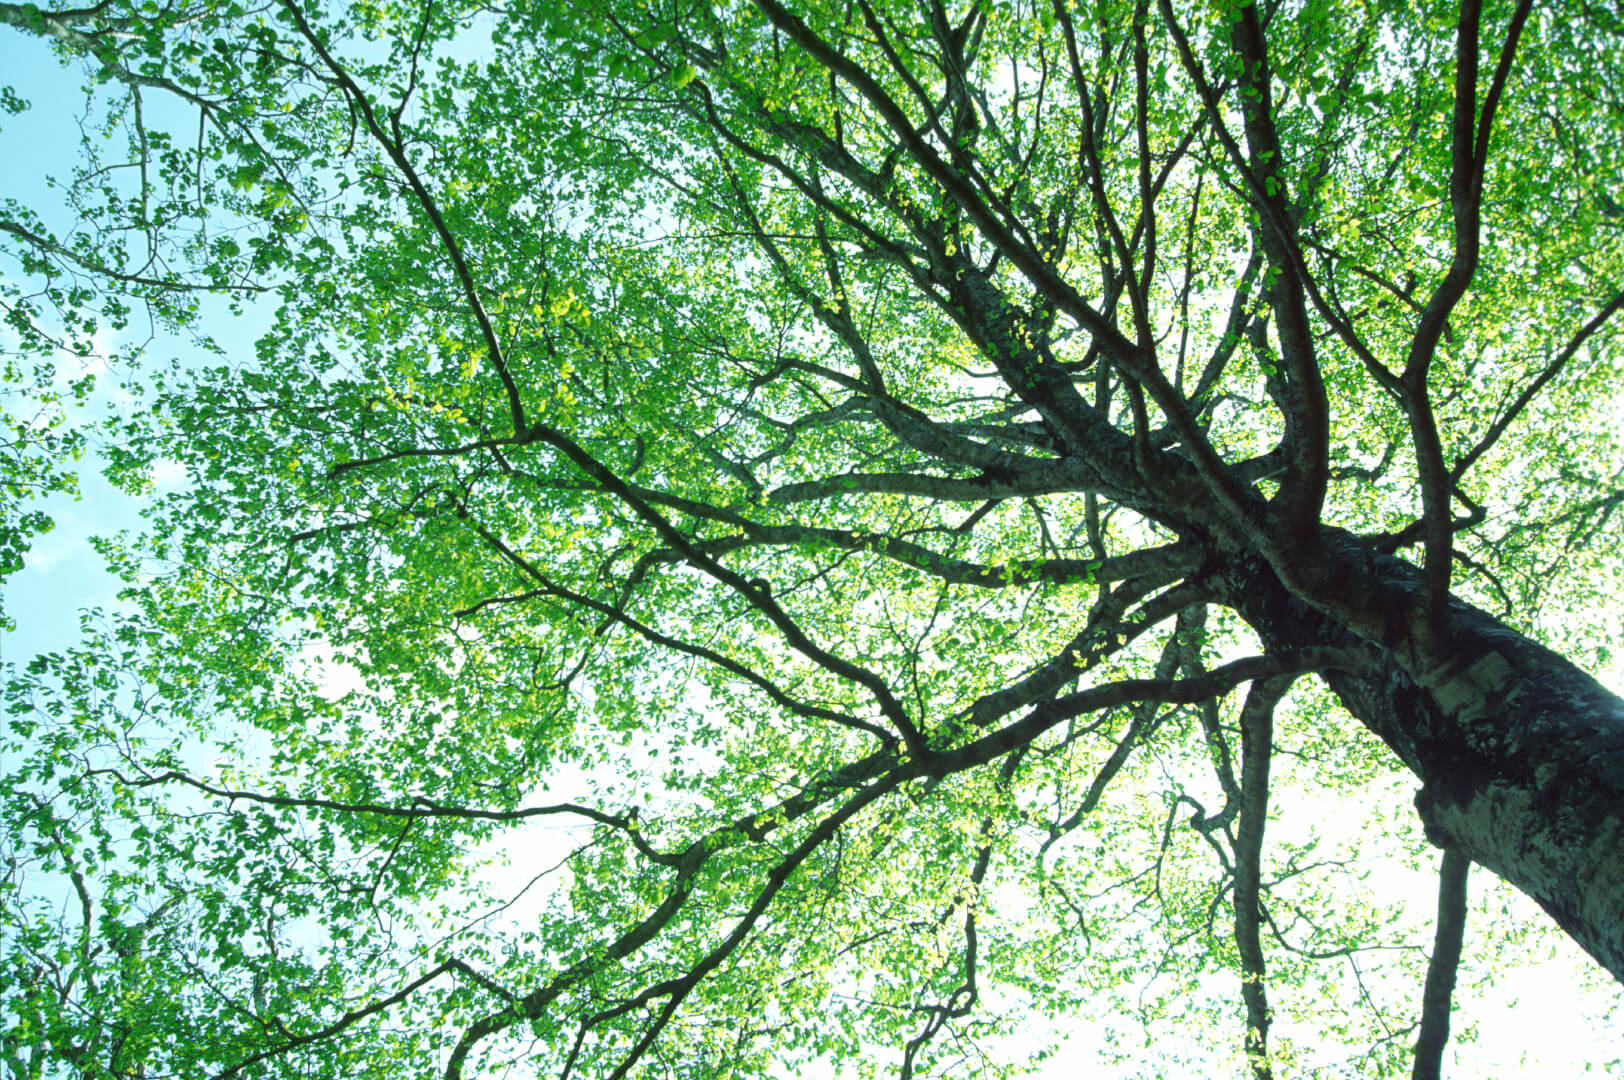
x,y
1520,753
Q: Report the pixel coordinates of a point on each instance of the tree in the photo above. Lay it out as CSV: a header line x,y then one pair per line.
x,y
848,460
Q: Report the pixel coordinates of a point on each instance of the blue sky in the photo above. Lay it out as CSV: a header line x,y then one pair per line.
x,y
62,573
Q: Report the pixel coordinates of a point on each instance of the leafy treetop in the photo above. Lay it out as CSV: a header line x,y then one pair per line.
x,y
846,463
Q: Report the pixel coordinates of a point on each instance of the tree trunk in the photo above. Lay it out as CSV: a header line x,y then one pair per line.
x,y
1520,754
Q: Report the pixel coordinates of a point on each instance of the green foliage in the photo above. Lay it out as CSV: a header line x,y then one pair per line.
x,y
634,606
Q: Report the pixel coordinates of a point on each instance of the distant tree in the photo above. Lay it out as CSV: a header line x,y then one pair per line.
x,y
880,472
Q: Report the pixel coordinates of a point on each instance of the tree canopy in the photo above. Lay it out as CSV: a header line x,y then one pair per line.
x,y
762,533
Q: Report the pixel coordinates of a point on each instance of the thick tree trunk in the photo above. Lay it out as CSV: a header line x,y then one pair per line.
x,y
1520,754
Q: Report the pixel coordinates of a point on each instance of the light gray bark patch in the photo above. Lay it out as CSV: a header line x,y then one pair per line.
x,y
1480,690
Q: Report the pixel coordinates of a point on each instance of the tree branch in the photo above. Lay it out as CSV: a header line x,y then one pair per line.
x,y
1436,1000
453,247
1469,160
1257,746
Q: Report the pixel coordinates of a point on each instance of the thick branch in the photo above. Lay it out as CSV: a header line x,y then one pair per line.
x,y
1469,160
1307,412
1219,680
1257,746
1436,1001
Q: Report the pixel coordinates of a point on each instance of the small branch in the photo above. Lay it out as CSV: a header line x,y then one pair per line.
x,y
47,244
877,768
761,600
1144,720
353,1017
433,451
1108,630
767,686
394,147
76,874
418,807
1550,372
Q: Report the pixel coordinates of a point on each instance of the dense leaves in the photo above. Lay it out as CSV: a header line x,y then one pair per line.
x,y
752,536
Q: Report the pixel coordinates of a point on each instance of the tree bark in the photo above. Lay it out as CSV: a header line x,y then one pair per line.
x,y
1520,754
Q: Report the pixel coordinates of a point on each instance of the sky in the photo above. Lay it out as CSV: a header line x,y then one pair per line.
x,y
1538,1018
62,573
